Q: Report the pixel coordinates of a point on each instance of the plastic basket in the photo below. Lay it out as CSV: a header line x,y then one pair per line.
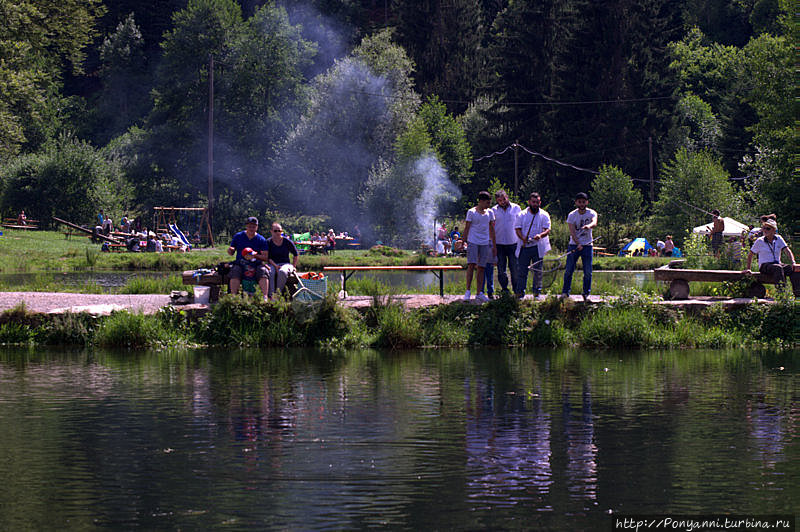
x,y
311,289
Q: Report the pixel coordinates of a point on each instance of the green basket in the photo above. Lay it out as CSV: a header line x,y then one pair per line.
x,y
311,289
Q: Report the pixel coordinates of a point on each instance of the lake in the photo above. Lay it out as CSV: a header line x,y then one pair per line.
x,y
423,439
115,279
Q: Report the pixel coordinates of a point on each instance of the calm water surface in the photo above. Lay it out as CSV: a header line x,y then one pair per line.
x,y
113,279
446,439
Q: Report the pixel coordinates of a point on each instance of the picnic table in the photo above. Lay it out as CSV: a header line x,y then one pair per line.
x,y
314,246
438,272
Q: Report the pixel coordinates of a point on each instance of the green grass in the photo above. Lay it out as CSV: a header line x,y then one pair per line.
x,y
631,322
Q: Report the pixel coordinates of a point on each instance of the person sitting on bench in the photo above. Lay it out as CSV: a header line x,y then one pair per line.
x,y
768,249
279,248
249,238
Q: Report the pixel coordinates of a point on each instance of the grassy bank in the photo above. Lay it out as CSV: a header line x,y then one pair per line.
x,y
631,322
33,251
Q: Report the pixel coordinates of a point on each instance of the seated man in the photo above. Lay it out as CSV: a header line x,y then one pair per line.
x,y
249,238
22,219
279,248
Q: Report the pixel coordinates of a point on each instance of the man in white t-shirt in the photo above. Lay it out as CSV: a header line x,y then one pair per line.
x,y
581,221
505,219
532,228
768,249
480,239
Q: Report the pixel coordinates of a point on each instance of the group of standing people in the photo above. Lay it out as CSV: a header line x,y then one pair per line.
x,y
518,239
262,261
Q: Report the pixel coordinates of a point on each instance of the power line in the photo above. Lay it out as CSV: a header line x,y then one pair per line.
x,y
535,153
555,102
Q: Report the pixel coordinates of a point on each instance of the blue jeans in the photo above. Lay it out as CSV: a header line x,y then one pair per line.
x,y
585,255
505,254
528,256
488,279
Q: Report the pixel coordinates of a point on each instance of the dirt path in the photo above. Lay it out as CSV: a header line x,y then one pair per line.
x,y
94,303
150,303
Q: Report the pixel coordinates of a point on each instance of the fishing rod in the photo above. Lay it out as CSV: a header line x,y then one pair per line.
x,y
693,207
540,261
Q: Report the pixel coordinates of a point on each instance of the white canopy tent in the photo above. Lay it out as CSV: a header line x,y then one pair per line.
x,y
732,228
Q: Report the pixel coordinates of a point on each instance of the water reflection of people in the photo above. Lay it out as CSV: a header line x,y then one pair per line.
x,y
507,446
765,427
581,448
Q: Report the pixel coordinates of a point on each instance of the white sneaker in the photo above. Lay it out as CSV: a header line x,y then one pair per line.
x,y
482,297
467,295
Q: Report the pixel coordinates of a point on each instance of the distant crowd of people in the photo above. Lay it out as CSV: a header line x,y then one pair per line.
x,y
137,237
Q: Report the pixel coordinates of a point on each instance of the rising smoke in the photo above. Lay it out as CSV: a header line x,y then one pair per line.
x,y
436,189
350,128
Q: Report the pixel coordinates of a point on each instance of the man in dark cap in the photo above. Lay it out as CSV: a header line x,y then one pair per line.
x,y
249,265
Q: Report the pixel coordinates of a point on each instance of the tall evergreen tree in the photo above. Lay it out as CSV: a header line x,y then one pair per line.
x,y
528,40
443,38
617,63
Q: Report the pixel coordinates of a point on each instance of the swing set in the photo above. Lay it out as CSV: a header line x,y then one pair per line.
x,y
165,219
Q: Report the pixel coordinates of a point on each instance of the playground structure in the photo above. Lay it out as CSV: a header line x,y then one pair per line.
x,y
165,219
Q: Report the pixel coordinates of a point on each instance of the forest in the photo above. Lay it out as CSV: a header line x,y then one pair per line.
x,y
392,114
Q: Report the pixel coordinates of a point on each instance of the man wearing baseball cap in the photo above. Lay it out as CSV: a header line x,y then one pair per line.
x,y
252,261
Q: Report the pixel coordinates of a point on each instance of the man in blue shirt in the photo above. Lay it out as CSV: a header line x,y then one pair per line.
x,y
250,265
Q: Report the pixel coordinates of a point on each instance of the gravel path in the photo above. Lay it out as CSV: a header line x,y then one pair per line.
x,y
96,303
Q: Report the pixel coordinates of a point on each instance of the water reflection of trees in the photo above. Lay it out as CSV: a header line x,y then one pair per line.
x,y
397,437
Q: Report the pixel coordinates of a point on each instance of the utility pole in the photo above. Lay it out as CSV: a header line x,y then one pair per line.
x,y
652,182
516,168
210,143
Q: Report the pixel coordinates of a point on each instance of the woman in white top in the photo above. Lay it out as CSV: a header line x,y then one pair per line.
x,y
768,249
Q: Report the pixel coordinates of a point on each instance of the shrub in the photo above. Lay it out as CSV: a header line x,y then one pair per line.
x,y
617,328
70,329
126,329
398,328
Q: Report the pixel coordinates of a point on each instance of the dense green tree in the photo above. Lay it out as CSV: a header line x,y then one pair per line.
x,y
257,80
614,197
448,141
695,127
693,182
69,179
751,89
39,41
124,98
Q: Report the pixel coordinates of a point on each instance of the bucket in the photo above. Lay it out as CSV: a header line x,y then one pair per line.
x,y
202,294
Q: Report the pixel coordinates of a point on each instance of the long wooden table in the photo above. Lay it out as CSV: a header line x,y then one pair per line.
x,y
438,272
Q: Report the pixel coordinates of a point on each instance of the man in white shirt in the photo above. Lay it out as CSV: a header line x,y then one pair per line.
x,y
768,249
480,238
505,219
532,229
581,221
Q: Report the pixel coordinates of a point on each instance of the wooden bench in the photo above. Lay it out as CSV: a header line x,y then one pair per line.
x,y
438,272
13,223
216,281
679,279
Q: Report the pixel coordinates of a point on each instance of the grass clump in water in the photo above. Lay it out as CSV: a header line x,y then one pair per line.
x,y
126,329
153,285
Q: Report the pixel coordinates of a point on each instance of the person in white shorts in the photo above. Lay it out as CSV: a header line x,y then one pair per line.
x,y
481,245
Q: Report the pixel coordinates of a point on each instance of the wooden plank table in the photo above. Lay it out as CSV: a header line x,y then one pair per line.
x,y
438,272
680,278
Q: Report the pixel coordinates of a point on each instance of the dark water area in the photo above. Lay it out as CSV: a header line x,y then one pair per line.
x,y
116,279
105,279
427,439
